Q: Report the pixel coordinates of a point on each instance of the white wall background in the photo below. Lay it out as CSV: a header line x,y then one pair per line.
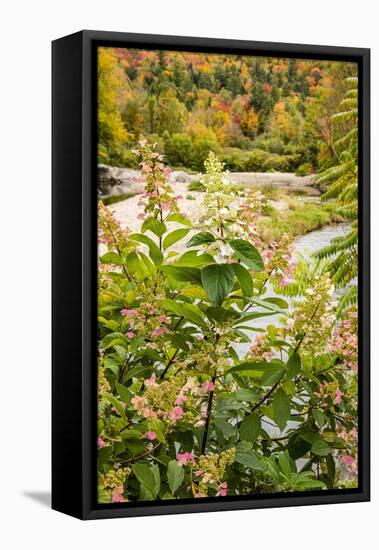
x,y
27,29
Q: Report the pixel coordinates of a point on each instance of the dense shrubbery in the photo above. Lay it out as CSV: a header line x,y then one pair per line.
x,y
185,410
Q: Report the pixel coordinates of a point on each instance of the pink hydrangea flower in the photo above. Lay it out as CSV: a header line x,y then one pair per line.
x,y
185,458
180,400
347,460
176,414
117,494
208,386
222,489
160,331
151,382
338,397
128,312
283,282
164,319
138,403
148,413
151,436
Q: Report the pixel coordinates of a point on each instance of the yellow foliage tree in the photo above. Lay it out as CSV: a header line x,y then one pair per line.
x,y
112,84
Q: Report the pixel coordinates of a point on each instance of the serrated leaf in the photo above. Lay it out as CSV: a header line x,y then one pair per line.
x,y
217,280
145,476
247,253
155,226
183,274
175,475
155,254
188,311
293,365
282,408
192,258
204,237
244,279
250,428
174,237
247,458
179,218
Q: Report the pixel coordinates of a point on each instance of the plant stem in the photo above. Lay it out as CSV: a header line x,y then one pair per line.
x,y
169,363
267,395
209,411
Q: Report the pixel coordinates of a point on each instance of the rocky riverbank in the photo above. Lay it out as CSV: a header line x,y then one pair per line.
x,y
114,181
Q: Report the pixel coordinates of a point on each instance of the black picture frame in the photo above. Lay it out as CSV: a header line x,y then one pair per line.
x,y
75,266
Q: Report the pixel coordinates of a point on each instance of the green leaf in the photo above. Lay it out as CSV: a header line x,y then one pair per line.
x,y
282,409
218,313
251,368
179,218
157,479
247,253
124,393
320,447
188,311
136,266
247,458
115,403
298,448
320,417
192,258
204,237
157,426
310,484
173,237
244,279
271,378
277,301
183,274
285,464
250,428
266,304
111,258
155,254
246,395
155,226
227,430
217,280
145,476
175,475
293,365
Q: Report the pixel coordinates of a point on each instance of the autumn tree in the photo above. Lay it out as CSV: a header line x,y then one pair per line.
x,y
112,86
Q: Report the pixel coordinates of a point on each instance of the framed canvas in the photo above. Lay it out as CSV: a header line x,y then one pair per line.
x,y
210,274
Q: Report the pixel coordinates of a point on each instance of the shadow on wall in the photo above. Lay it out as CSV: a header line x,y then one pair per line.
x,y
41,497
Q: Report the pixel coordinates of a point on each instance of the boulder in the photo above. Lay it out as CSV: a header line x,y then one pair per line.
x,y
113,181
180,176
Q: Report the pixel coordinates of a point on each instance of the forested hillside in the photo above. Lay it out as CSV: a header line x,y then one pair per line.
x,y
256,113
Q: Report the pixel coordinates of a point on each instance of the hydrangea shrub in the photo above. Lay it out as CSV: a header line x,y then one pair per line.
x,y
222,366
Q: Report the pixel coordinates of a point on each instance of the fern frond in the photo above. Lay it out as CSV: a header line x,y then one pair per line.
x,y
349,103
352,81
349,298
353,92
335,172
344,116
344,140
349,193
348,211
